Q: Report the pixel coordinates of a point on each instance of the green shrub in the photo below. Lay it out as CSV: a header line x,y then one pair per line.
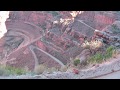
x,y
97,58
109,52
109,49
15,71
8,70
76,62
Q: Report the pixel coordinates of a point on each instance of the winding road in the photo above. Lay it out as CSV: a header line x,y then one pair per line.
x,y
30,33
55,59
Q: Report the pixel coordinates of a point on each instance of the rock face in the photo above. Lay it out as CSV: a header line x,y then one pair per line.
x,y
98,20
62,41
110,35
84,55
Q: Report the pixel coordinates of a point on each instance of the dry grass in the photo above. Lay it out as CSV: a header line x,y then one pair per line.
x,y
43,68
52,69
63,69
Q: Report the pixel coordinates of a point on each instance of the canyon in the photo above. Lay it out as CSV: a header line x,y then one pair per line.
x,y
34,38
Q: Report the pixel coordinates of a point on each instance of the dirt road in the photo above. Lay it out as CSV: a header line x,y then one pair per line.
x,y
31,34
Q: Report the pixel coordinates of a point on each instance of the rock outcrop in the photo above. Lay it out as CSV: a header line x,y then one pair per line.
x,y
110,35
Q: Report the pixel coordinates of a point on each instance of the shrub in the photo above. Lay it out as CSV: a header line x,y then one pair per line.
x,y
8,70
63,69
15,71
95,44
97,58
76,62
109,52
40,69
86,45
109,49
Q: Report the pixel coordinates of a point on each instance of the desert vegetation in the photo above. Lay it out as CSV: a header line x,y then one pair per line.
x,y
9,70
101,57
96,58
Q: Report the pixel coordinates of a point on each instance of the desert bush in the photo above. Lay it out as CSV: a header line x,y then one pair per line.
x,y
100,57
97,58
15,71
40,69
86,45
76,61
95,44
8,70
109,52
63,69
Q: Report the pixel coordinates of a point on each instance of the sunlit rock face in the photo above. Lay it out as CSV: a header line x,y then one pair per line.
x,y
3,16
